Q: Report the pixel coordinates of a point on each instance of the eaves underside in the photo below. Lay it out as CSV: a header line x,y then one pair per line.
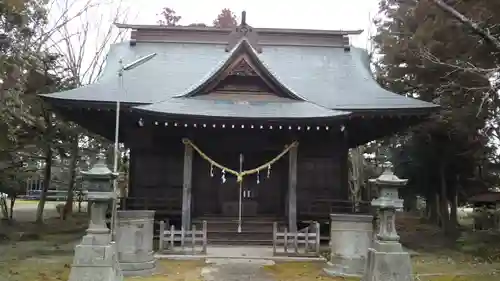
x,y
135,107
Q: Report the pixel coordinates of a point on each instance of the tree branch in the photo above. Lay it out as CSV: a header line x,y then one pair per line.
x,y
485,34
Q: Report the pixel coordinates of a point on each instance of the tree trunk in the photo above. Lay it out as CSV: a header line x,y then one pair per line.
x,y
46,184
68,207
410,199
454,208
11,208
443,202
432,207
437,204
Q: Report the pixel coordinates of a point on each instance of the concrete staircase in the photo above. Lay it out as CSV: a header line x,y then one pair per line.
x,y
224,230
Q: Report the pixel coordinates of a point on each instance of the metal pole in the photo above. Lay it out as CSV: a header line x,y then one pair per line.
x,y
115,158
122,69
240,197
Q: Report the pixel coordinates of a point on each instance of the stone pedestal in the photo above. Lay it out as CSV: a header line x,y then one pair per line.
x,y
387,261
134,236
350,238
95,257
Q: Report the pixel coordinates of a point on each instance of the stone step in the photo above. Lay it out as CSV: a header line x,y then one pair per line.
x,y
235,234
216,217
251,220
245,242
243,230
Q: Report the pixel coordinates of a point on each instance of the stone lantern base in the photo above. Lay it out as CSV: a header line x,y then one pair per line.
x,y
95,262
388,261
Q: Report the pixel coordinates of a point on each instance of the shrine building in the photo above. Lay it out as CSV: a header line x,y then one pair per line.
x,y
247,124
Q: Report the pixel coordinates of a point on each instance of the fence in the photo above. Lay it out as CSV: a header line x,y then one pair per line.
x,y
304,242
182,241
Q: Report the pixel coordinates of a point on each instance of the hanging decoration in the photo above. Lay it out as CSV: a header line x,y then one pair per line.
x,y
258,177
211,170
240,175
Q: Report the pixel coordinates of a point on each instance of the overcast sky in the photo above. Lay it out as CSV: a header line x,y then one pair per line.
x,y
316,14
310,14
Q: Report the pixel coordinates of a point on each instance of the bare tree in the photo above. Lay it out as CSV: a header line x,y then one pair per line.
x,y
80,33
168,17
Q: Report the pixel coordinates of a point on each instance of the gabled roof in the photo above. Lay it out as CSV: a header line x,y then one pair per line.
x,y
321,77
193,102
242,48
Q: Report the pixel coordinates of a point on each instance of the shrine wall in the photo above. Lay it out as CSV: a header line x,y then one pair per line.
x,y
156,169
321,176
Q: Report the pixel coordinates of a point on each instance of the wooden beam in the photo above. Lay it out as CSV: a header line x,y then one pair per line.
x,y
292,190
186,186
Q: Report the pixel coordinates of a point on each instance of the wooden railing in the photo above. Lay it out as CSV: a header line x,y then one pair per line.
x,y
192,241
324,207
304,242
167,205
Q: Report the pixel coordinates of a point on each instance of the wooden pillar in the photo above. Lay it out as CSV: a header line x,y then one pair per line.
x,y
292,190
186,186
344,167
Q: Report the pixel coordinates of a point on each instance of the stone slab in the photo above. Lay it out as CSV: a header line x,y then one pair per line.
x,y
389,265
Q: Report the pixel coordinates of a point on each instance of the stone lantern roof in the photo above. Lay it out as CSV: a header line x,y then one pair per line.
x,y
100,170
388,177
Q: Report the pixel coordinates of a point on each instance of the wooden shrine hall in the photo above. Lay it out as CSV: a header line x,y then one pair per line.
x,y
242,124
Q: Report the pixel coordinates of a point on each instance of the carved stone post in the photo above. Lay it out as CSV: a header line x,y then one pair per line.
x,y
134,239
95,257
386,258
350,238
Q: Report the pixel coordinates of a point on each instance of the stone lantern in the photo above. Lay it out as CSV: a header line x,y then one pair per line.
x,y
386,258
388,202
95,257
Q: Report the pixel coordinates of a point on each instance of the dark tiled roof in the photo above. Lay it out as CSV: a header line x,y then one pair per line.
x,y
325,77
236,109
333,78
175,69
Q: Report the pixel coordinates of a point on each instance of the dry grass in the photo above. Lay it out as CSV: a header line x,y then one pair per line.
x,y
426,268
45,252
39,252
36,269
451,263
300,271
19,231
458,278
174,270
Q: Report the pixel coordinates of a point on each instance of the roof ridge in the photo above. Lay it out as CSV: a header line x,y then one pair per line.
x,y
260,30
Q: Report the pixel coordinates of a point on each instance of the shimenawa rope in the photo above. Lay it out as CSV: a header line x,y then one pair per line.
x,y
239,176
